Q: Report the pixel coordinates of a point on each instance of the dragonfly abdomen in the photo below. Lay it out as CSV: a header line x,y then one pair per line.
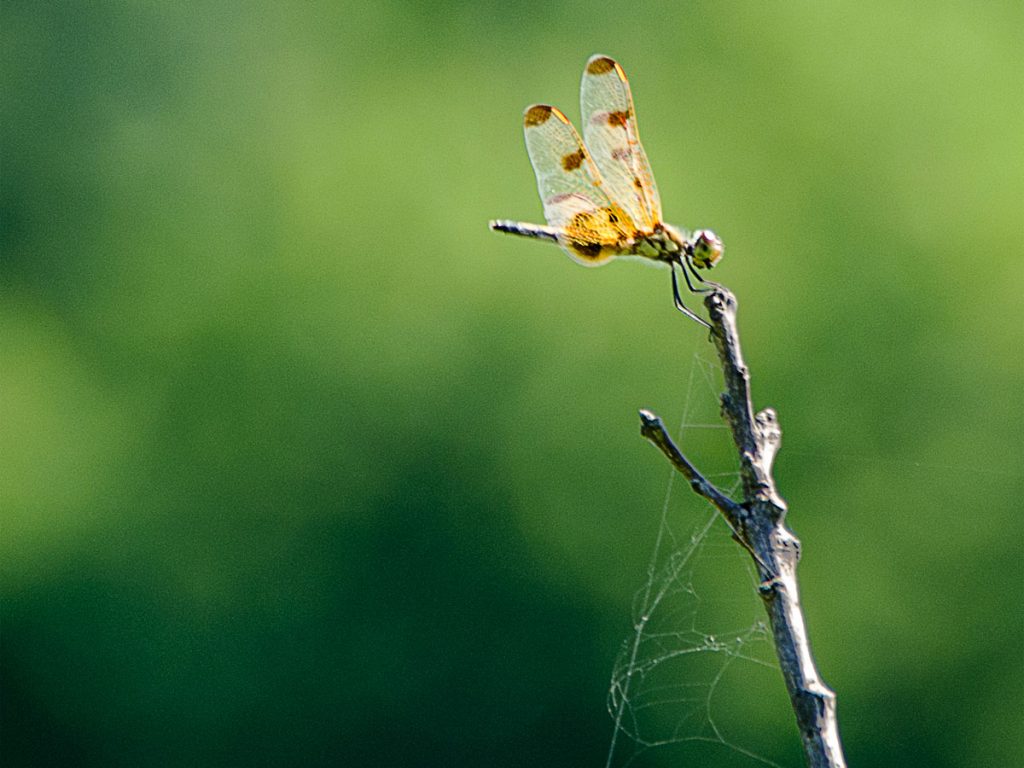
x,y
525,230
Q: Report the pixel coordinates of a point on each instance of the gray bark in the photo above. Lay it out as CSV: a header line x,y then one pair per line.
x,y
757,522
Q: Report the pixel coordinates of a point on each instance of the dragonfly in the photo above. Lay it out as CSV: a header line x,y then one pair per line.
x,y
600,199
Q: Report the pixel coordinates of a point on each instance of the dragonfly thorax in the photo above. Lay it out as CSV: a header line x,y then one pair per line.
x,y
658,245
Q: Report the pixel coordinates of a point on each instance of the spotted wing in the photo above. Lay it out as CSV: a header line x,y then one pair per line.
x,y
592,227
611,135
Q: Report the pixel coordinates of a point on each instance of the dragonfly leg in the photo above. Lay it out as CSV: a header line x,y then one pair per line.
x,y
689,269
678,299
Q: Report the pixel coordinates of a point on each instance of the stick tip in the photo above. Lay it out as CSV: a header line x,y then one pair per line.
x,y
649,422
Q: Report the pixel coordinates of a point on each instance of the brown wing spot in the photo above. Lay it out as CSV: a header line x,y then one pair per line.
x,y
637,183
536,115
601,65
618,119
573,161
587,250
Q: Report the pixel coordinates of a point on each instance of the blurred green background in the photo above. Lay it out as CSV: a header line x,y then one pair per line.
x,y
303,466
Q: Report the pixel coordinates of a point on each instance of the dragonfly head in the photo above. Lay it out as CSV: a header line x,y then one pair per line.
x,y
706,249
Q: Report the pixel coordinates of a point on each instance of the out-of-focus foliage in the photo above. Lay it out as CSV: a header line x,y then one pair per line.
x,y
303,466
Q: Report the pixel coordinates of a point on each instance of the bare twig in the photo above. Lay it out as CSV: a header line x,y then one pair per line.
x,y
652,428
758,524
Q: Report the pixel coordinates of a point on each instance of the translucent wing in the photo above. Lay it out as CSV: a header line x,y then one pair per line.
x,y
567,178
592,227
611,135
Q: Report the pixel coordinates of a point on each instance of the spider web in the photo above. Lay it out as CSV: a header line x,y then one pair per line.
x,y
696,681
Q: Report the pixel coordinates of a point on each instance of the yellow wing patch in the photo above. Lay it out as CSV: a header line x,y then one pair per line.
x,y
598,235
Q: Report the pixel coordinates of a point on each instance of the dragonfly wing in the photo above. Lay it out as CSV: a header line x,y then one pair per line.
x,y
593,228
611,134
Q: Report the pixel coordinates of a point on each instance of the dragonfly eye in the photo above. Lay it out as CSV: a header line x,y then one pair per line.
x,y
707,249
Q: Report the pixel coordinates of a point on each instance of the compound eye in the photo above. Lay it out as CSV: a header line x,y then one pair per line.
x,y
707,249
